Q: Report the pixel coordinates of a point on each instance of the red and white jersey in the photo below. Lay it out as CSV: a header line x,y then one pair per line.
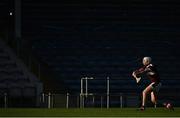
x,y
150,71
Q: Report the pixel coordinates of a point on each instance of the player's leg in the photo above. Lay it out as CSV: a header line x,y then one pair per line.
x,y
146,91
154,98
154,93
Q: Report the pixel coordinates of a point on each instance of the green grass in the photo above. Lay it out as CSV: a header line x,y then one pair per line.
x,y
88,112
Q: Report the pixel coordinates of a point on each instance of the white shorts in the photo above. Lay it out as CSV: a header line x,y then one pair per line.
x,y
155,87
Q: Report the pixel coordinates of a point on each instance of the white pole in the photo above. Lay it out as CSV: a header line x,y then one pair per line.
x,y
93,100
83,101
81,85
67,101
107,92
86,86
81,95
43,99
121,99
5,100
49,100
86,90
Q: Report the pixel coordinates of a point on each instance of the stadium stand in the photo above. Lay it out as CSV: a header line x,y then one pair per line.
x,y
22,87
103,39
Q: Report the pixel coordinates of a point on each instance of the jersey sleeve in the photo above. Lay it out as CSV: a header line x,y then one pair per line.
x,y
139,71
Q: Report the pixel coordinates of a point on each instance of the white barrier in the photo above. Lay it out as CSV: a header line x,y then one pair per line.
x,y
82,94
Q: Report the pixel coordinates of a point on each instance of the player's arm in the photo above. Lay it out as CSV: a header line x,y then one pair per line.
x,y
136,78
138,72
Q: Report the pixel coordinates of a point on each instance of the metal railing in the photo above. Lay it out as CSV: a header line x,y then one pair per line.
x,y
97,100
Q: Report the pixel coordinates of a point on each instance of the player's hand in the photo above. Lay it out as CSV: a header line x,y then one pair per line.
x,y
134,75
137,78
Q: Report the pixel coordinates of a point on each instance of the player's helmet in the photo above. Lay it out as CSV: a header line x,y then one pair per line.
x,y
146,60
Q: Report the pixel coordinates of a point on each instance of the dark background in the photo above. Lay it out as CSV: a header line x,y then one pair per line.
x,y
72,39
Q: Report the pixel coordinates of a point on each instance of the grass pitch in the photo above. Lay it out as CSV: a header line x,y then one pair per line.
x,y
88,112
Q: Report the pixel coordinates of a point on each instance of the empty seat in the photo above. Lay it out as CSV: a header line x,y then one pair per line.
x,y
29,91
15,91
